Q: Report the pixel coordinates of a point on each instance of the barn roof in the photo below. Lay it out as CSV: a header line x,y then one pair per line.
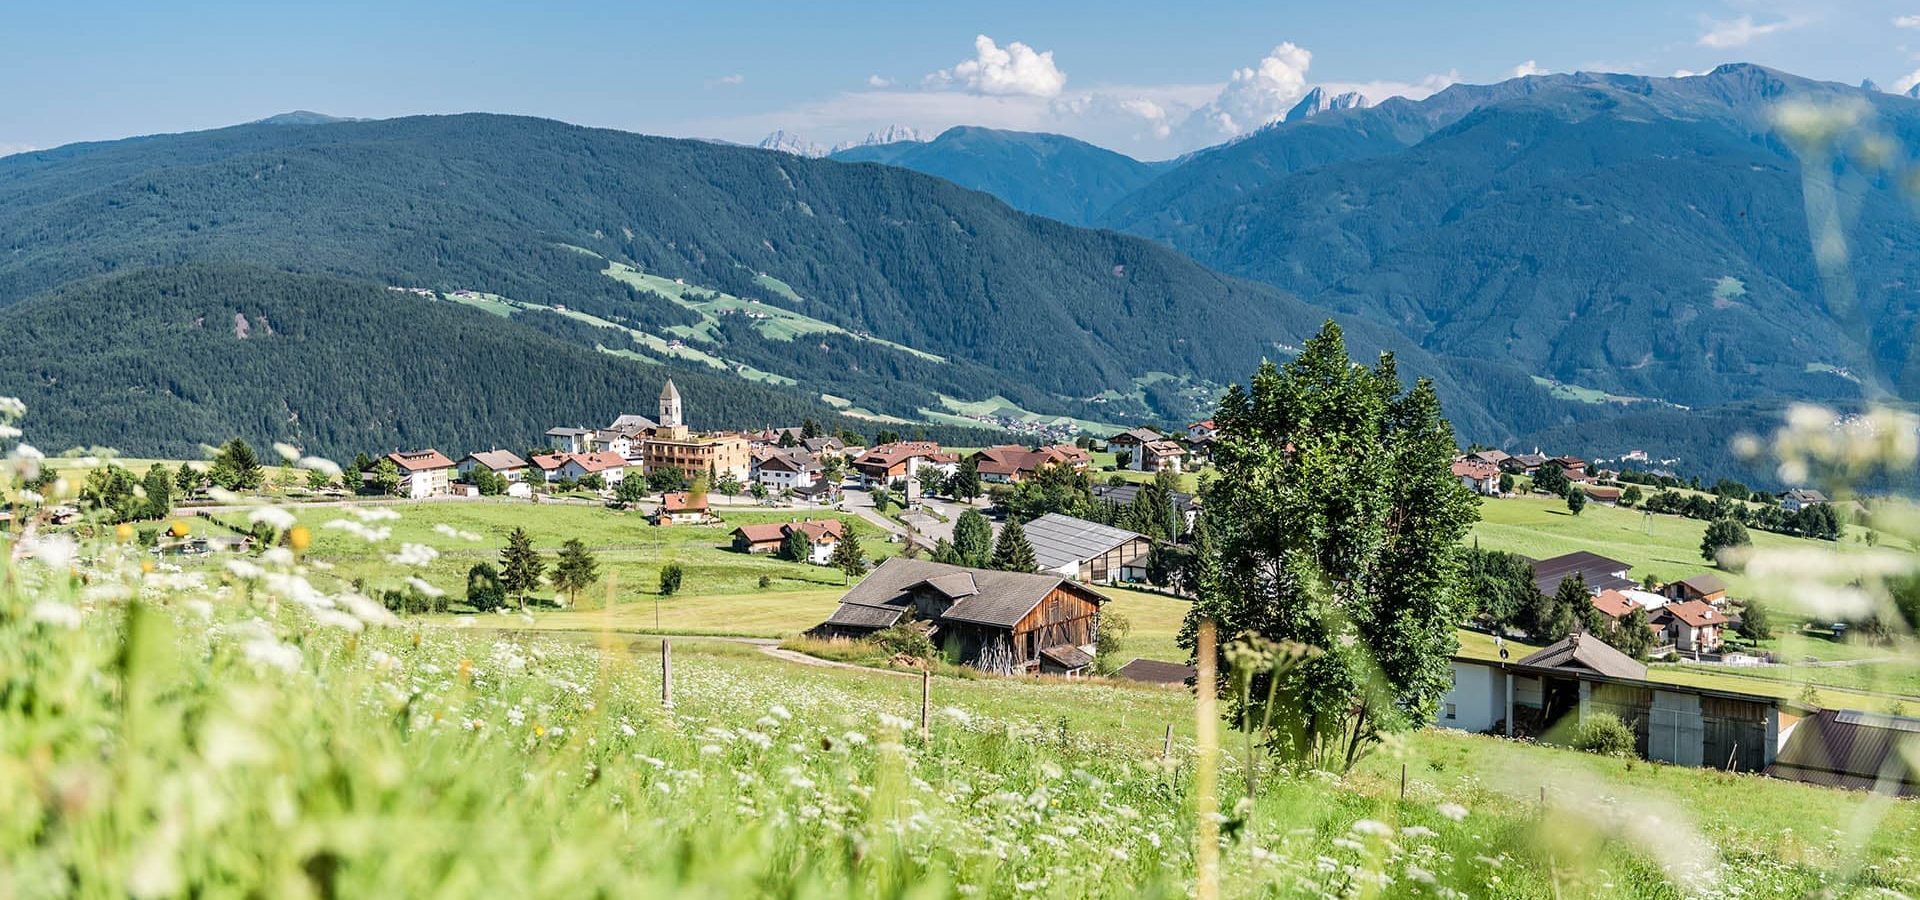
x,y
1853,749
997,598
1585,652
1064,540
1154,671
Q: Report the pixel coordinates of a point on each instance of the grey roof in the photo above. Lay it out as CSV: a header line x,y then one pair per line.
x,y
669,392
1067,656
1123,494
1000,598
1141,435
1596,569
1061,540
876,617
568,432
1584,651
957,585
1705,582
498,460
632,422
1154,671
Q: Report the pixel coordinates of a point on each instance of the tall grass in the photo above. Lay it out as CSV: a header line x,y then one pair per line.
x,y
167,733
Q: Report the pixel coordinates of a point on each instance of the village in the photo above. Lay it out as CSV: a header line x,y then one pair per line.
x,y
1003,559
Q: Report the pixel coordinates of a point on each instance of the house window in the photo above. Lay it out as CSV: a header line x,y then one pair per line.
x,y
1452,711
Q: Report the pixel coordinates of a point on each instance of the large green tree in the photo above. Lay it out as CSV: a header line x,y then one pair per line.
x,y
973,539
1338,525
575,570
848,556
1723,535
1013,553
520,565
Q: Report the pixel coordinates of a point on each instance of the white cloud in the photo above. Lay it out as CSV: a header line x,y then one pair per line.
x,y
1907,82
1741,31
1530,67
1906,21
1686,73
1014,71
1146,121
1257,95
7,149
734,80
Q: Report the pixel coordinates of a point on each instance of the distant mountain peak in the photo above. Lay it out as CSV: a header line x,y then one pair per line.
x,y
788,142
301,117
1914,92
1870,86
1318,101
892,134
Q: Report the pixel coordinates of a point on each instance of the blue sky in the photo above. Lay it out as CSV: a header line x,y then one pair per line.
x,y
1150,79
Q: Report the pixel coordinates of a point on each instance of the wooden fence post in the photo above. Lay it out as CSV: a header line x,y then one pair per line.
x,y
1403,781
1206,802
926,699
666,672
1166,742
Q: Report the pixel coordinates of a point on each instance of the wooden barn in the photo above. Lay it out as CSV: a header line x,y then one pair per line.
x,y
1003,622
1547,694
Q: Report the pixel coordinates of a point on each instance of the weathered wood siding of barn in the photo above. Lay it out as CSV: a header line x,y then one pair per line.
x,y
1066,616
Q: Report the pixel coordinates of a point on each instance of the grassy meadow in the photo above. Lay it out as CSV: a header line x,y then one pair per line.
x,y
243,730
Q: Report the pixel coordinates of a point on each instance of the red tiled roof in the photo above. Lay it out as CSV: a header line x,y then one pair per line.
x,y
1613,604
890,455
1469,468
600,461
1206,423
1013,459
827,530
1695,613
678,501
420,460
762,534
550,461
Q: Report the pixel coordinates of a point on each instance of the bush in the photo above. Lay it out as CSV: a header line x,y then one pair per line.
x,y
1605,734
670,575
904,638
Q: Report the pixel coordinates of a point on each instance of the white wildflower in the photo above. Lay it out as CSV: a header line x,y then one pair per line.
x,y
423,587
780,712
265,651
55,550
279,519
12,407
366,533
56,614
8,432
1417,831
417,555
374,514
1453,811
324,466
1373,828
287,452
26,451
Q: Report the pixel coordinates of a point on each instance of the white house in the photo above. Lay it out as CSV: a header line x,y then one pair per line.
x,y
424,473
784,471
1798,499
1159,456
503,463
1203,431
571,440
610,466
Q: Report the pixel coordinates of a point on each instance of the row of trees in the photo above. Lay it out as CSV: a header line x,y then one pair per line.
x,y
522,571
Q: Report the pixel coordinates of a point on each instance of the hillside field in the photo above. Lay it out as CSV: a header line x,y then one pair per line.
x,y
400,761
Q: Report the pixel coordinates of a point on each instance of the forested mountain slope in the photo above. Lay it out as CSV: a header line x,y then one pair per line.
x,y
911,287
1045,174
161,360
1641,236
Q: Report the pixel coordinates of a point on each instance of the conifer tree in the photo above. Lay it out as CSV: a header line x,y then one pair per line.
x,y
520,565
1012,553
575,570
